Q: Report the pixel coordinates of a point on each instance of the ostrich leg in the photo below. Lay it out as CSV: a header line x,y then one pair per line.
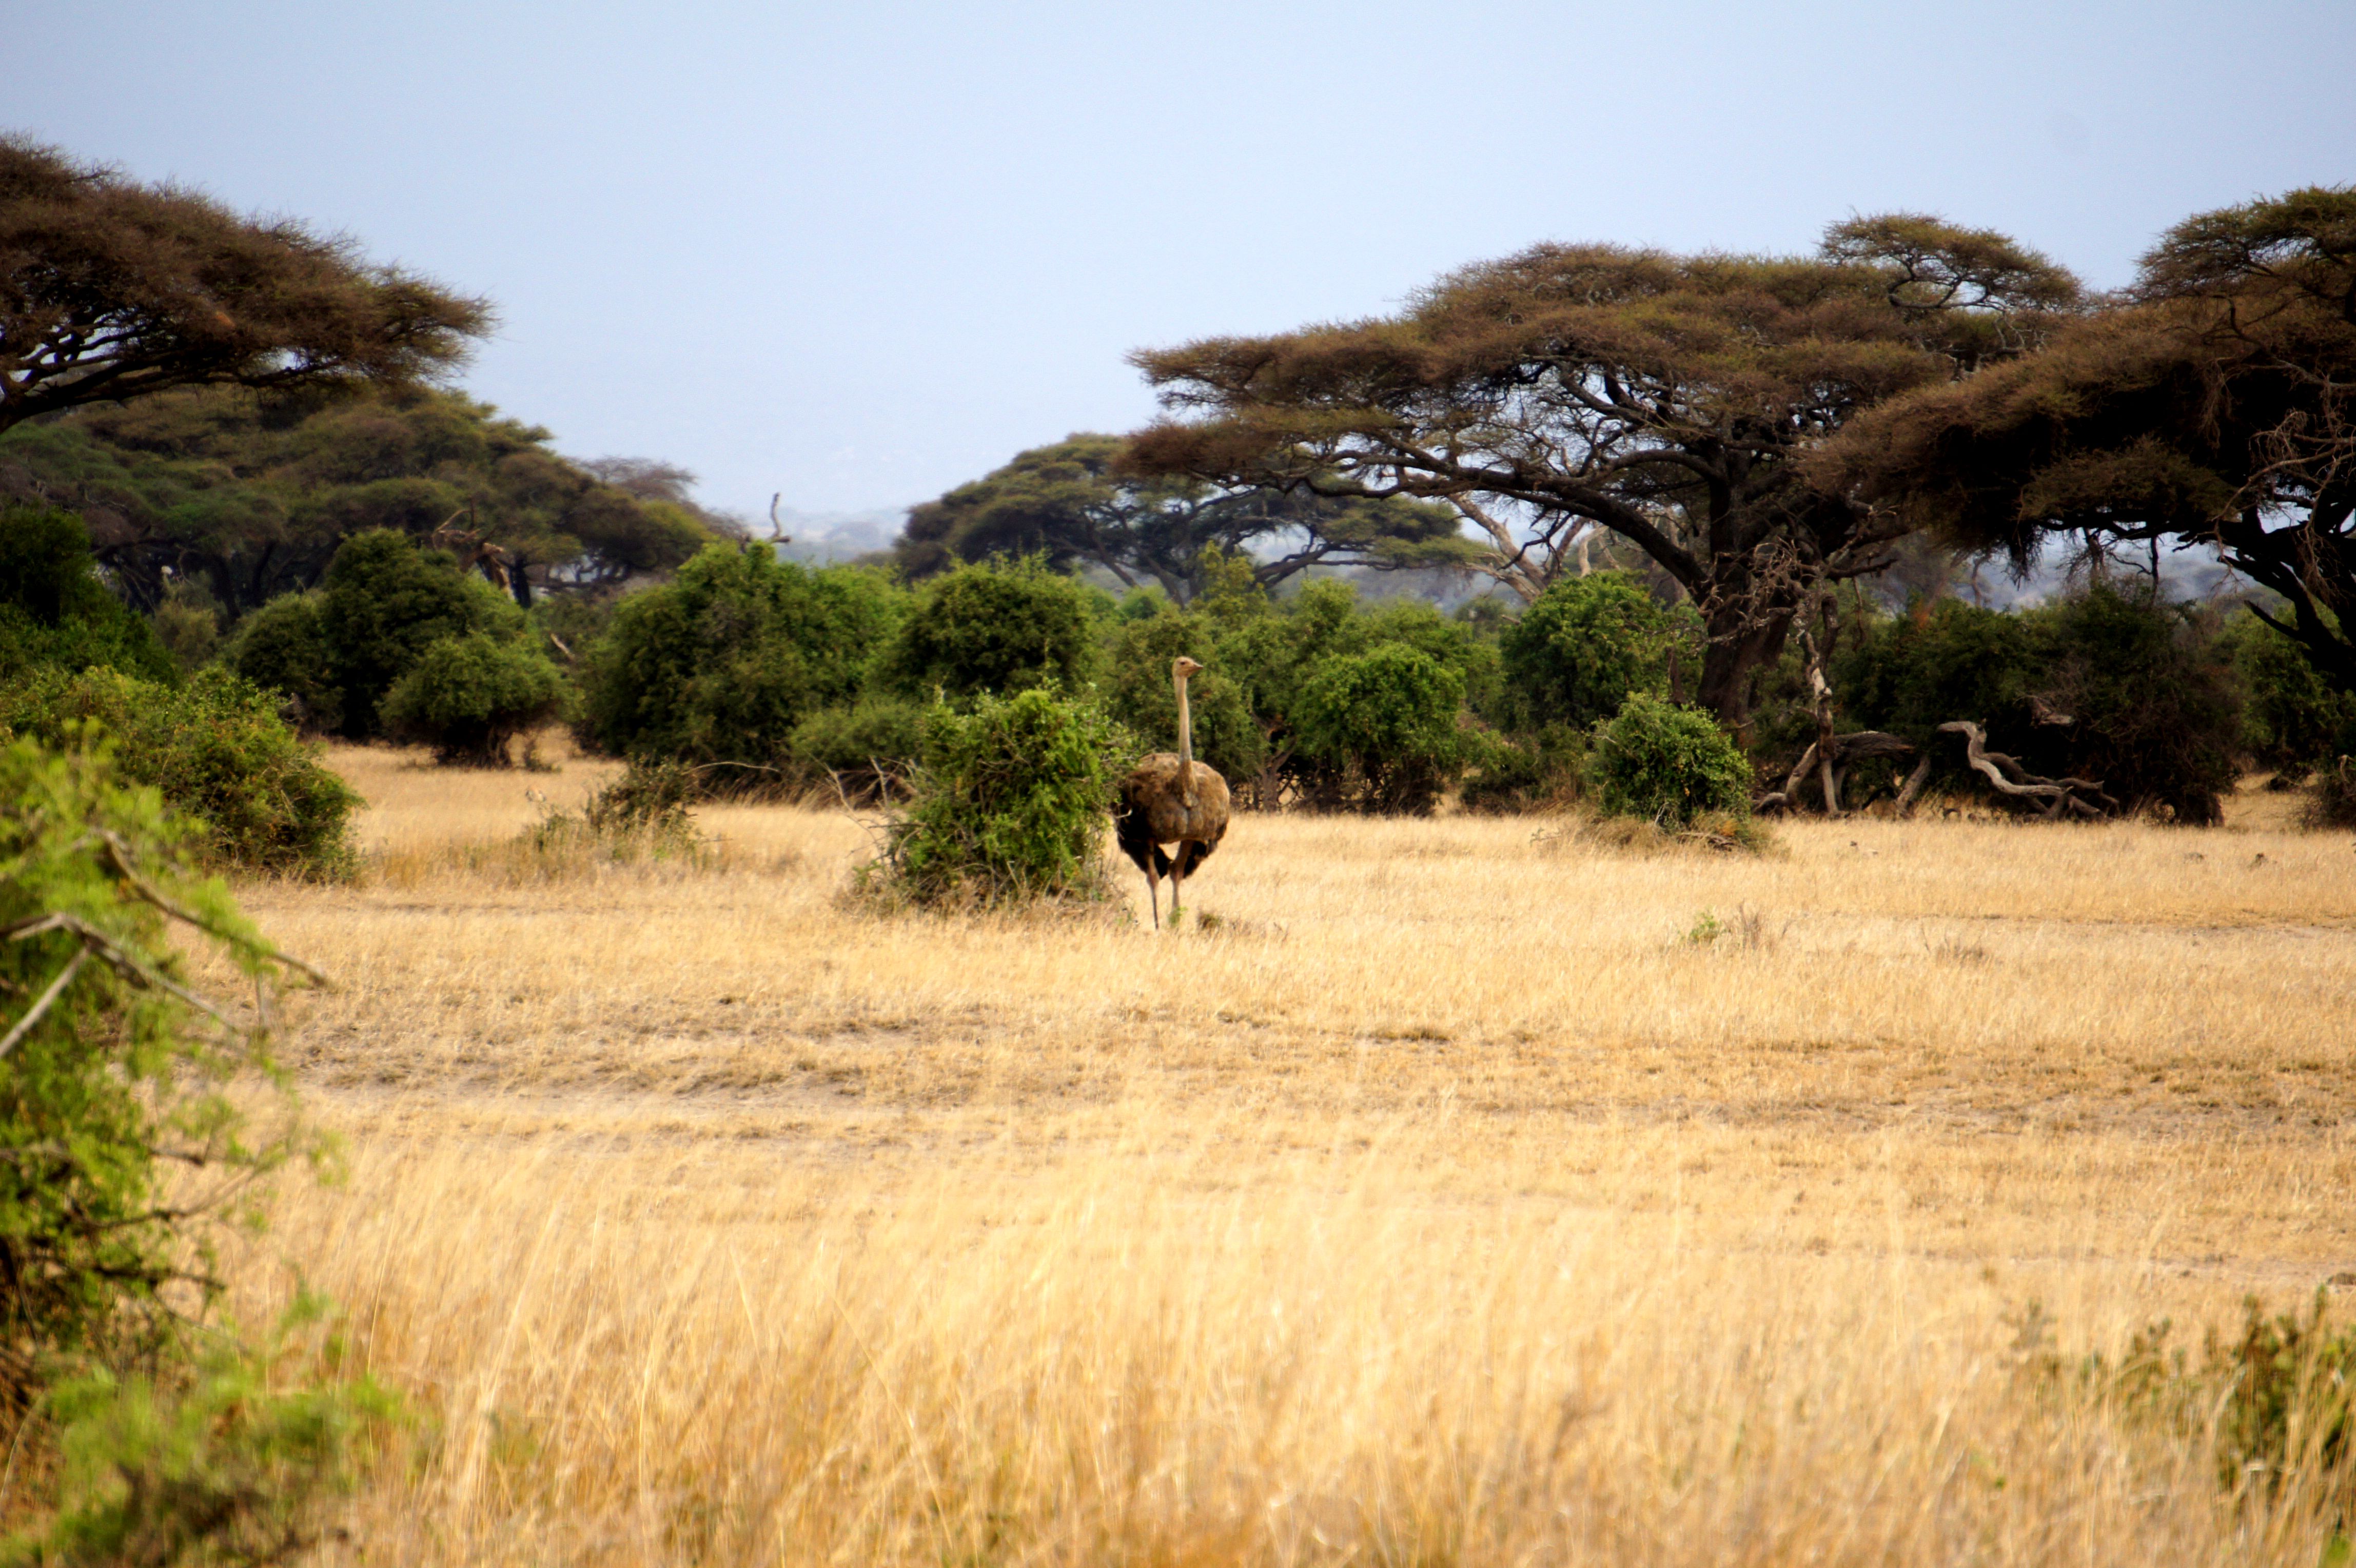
x,y
1153,892
1177,885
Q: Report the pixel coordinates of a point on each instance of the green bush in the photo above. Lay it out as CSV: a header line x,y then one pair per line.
x,y
187,622
2291,719
1577,653
165,1442
106,1079
385,603
1383,727
233,1456
283,648
217,750
2151,704
1540,772
468,696
868,749
724,663
54,610
2157,714
1008,806
1667,764
999,628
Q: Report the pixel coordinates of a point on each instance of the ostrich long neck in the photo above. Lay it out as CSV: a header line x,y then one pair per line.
x,y
1185,745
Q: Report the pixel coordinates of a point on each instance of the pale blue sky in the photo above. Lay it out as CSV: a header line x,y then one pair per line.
x,y
862,251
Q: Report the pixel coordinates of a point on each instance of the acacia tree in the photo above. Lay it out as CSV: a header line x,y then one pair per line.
x,y
1661,397
2215,403
110,289
1079,501
252,495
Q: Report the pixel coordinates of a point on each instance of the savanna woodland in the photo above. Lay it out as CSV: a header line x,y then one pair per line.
x,y
1774,984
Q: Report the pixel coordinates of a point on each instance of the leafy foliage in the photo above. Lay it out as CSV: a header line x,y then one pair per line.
x,y
106,1078
387,602
468,696
868,749
2098,685
2292,718
251,496
256,797
2158,717
1667,764
55,611
1575,655
1382,727
283,646
231,1459
724,663
1010,804
1543,770
999,627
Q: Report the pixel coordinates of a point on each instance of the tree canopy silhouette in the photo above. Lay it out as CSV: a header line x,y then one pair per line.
x,y
110,289
1663,398
2214,403
253,495
1077,500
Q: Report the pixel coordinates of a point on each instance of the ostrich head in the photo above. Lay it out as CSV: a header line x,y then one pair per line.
x,y
1184,667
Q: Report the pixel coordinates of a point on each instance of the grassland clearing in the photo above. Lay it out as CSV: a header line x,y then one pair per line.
x,y
1467,1192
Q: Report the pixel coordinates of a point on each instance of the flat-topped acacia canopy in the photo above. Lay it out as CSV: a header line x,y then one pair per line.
x,y
110,289
1662,397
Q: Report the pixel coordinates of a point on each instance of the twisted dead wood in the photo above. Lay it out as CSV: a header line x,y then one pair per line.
x,y
2052,796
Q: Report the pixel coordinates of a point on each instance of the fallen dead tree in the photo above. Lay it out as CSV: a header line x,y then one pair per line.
x,y
2050,797
1830,763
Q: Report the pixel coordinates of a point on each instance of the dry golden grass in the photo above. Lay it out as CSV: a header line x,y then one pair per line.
x,y
1445,1202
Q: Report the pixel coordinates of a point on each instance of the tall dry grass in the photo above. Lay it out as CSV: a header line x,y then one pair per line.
x,y
1449,1202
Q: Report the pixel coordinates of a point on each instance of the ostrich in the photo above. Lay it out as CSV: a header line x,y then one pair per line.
x,y
1172,798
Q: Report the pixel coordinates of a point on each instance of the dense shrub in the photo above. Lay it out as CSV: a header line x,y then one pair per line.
x,y
468,696
217,751
1010,804
2334,805
999,628
1382,727
1945,661
1577,653
1667,764
282,647
2100,685
723,664
868,749
2155,713
1541,771
385,603
158,1448
2291,718
108,1079
2271,1400
187,622
54,610
235,1454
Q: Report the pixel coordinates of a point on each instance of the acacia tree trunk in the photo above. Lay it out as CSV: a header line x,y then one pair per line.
x,y
1738,646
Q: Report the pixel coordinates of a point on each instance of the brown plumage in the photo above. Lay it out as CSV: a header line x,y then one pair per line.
x,y
1170,797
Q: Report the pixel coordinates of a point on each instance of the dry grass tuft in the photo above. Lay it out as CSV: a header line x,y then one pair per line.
x,y
1434,1198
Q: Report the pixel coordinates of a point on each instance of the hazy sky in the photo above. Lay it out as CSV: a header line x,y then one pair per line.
x,y
860,252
